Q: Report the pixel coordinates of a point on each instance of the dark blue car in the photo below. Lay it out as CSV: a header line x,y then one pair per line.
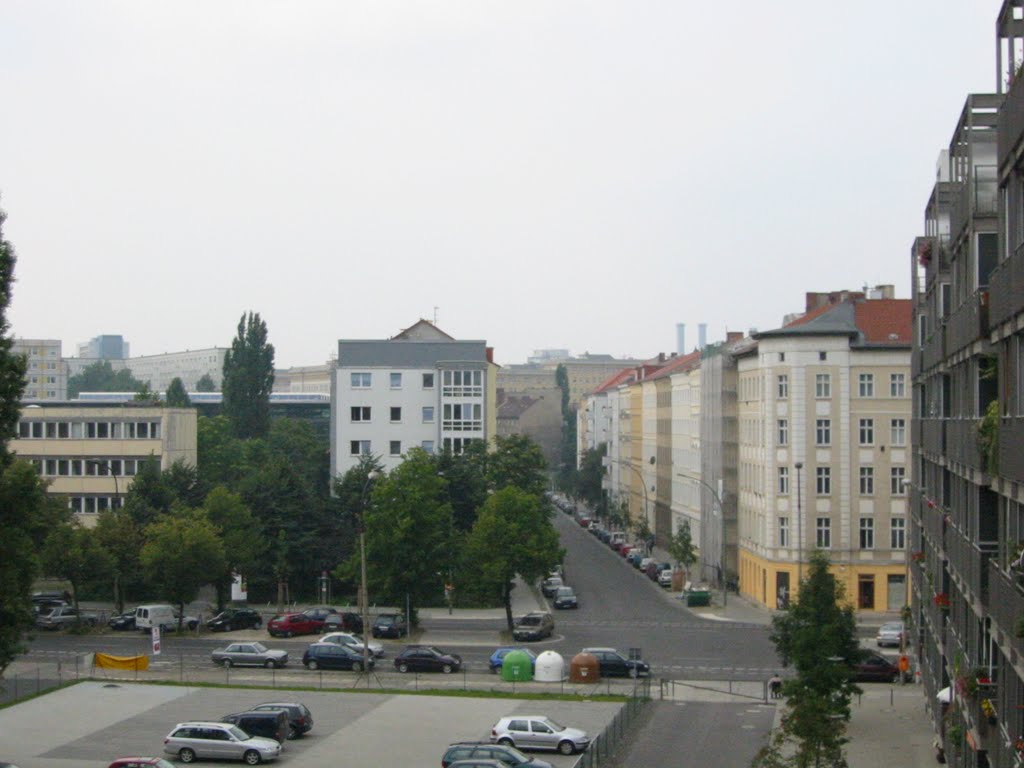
x,y
498,657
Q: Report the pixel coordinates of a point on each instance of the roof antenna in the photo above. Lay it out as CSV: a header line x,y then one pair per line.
x,y
435,315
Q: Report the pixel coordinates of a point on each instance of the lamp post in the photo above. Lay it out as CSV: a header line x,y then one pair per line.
x,y
799,529
720,514
364,607
104,466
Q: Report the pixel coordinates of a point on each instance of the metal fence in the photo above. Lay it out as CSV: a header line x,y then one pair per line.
x,y
22,681
603,747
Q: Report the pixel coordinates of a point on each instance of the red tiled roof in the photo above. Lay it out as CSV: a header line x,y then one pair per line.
x,y
615,380
885,321
678,364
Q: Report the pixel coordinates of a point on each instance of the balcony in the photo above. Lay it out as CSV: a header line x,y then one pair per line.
x,y
1011,457
1010,123
933,351
1006,602
970,561
968,323
1006,288
962,443
977,195
933,435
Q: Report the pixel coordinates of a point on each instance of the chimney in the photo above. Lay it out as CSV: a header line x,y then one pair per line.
x,y
702,335
731,337
681,338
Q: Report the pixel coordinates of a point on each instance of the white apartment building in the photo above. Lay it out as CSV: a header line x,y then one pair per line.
x,y
46,377
419,389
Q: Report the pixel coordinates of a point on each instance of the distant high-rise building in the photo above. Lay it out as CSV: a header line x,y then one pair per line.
x,y
106,347
46,377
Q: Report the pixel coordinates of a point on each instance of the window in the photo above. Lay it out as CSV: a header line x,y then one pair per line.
x,y
428,414
898,432
359,447
823,356
782,357
395,447
360,413
823,385
867,481
823,480
866,385
898,476
396,413
898,533
823,432
867,431
783,432
428,381
897,385
428,446
396,381
867,533
360,380
783,480
823,533
783,382
783,531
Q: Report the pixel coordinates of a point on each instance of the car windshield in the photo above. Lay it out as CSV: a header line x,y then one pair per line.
x,y
553,725
892,627
238,733
565,591
259,647
530,620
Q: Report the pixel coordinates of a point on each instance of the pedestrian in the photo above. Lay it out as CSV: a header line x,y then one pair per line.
x,y
775,686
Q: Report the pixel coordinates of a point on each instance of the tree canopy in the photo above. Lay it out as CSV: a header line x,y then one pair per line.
x,y
249,378
177,396
206,384
101,377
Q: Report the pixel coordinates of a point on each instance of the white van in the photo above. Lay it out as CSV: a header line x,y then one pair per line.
x,y
149,616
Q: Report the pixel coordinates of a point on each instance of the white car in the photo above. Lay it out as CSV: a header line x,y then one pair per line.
x,y
224,741
538,732
891,633
665,578
353,641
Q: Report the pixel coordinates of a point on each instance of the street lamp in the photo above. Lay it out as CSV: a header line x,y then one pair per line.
x,y
799,529
364,608
720,514
104,466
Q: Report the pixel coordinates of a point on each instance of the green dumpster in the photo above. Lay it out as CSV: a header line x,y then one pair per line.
x,y
516,667
697,597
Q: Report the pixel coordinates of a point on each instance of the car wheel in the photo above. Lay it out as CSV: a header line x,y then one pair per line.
x,y
269,664
566,747
447,669
357,666
187,756
311,665
251,757
505,741
226,663
403,667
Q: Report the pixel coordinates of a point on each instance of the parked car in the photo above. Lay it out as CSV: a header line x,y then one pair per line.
x,y
635,556
665,578
52,595
891,633
320,613
66,616
482,750
614,664
565,597
497,659
155,615
235,618
334,656
271,724
390,625
875,668
427,658
353,641
129,762
654,569
249,654
121,622
538,732
479,762
291,624
189,622
533,626
45,606
189,741
550,584
344,622
300,719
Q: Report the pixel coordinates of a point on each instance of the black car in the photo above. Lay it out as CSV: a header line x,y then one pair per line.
x,y
320,613
427,658
269,724
124,621
334,656
300,719
565,597
875,668
534,626
483,750
614,664
390,625
234,618
344,622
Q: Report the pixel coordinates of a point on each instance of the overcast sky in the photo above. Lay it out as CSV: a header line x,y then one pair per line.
x,y
580,175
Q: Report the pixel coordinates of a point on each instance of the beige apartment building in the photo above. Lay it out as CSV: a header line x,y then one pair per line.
x,y
90,455
824,408
46,375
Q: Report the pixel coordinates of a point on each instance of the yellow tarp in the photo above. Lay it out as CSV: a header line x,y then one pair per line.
x,y
107,661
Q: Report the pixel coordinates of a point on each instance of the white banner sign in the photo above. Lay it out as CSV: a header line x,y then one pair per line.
x,y
156,639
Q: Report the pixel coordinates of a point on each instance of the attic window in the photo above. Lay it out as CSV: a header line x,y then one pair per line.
x,y
822,355
782,357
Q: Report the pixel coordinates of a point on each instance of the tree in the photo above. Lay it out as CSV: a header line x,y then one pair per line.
x,y
817,636
517,461
241,534
148,497
176,395
118,534
101,377
513,535
182,483
567,449
76,555
590,478
681,547
183,551
22,492
249,378
205,384
466,474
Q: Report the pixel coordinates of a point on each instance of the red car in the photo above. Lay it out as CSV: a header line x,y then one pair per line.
x,y
289,624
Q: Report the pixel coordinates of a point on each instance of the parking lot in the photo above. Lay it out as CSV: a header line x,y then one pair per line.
x,y
91,723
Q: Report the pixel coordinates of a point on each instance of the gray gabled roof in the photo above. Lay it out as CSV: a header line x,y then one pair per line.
x,y
837,320
397,353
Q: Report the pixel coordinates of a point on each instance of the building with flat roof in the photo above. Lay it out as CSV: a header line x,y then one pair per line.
x,y
46,377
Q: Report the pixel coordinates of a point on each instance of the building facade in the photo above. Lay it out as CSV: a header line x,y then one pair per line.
x,y
89,455
419,389
46,377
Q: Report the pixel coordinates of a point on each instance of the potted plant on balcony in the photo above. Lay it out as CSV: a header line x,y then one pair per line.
x,y
988,438
941,599
988,709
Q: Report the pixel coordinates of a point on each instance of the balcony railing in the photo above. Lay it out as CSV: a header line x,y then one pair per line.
x,y
934,348
933,435
977,195
1006,602
1010,123
1006,288
1011,455
962,442
968,323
